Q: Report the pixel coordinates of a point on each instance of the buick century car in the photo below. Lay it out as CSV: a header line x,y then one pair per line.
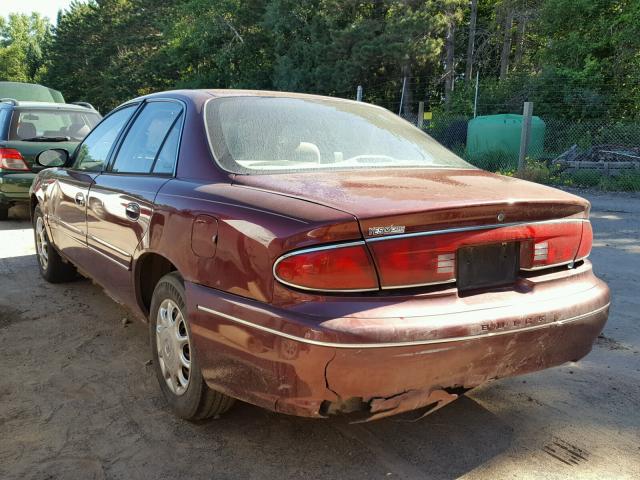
x,y
315,256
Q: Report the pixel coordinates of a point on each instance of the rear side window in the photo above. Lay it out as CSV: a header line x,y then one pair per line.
x,y
38,123
5,116
145,140
93,152
166,160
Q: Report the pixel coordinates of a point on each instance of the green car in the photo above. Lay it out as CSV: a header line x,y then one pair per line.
x,y
26,129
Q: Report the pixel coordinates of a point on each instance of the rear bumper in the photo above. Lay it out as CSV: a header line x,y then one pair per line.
x,y
14,187
295,364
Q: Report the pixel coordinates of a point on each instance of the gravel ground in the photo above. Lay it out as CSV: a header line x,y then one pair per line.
x,y
78,399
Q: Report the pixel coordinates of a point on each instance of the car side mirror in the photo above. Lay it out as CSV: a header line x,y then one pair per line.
x,y
56,157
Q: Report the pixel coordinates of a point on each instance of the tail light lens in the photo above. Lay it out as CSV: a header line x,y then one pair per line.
x,y
426,259
586,242
341,268
11,159
430,259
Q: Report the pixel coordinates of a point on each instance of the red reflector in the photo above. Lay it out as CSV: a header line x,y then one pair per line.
x,y
329,269
11,159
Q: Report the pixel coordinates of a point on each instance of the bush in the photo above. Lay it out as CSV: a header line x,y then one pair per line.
x,y
497,161
584,178
628,182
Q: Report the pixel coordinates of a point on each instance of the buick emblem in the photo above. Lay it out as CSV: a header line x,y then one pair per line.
x,y
500,217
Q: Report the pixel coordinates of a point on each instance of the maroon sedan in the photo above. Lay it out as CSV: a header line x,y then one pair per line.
x,y
315,256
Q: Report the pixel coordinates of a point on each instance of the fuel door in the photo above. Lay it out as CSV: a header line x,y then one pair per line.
x,y
204,236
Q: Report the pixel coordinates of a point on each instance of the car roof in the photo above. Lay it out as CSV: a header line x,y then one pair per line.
x,y
195,94
47,106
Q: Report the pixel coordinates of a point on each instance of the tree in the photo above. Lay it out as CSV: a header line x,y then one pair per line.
x,y
471,42
22,39
105,51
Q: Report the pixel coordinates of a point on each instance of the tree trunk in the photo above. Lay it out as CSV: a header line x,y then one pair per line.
x,y
522,25
450,58
472,40
506,42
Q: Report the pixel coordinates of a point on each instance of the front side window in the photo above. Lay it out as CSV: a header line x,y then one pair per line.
x,y
41,124
145,138
269,134
93,152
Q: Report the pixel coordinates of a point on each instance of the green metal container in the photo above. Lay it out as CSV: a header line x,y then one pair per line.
x,y
500,135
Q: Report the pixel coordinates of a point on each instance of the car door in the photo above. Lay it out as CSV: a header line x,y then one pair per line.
x,y
67,195
121,199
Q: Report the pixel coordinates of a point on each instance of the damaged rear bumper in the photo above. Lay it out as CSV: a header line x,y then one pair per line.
x,y
294,364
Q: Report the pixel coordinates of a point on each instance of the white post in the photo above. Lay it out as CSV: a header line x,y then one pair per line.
x,y
404,84
420,114
525,133
359,93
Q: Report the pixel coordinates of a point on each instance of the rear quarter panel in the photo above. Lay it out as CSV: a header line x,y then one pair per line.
x,y
254,228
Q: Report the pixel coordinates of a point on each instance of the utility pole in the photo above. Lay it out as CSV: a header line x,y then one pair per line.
x,y
359,93
420,114
525,134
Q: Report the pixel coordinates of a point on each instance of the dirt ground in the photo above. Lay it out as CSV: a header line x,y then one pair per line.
x,y
78,399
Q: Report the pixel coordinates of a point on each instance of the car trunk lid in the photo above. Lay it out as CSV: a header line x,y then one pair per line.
x,y
388,202
429,227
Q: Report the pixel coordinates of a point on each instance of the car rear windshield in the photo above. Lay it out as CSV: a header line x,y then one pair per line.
x,y
35,123
257,135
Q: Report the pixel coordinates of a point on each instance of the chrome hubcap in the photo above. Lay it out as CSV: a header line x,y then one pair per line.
x,y
42,243
174,350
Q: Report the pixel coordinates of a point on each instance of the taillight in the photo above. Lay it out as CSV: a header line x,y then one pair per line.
x,y
427,258
586,241
551,244
430,258
332,268
414,261
11,159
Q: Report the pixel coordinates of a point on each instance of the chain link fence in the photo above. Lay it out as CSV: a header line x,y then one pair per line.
x,y
602,154
599,153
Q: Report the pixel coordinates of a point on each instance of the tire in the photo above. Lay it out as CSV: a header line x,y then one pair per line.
x,y
51,265
177,361
4,213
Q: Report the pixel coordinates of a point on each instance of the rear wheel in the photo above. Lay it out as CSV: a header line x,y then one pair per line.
x,y
52,267
4,213
175,362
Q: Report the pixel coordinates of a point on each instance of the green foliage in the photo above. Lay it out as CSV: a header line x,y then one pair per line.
x,y
22,39
105,51
497,161
577,60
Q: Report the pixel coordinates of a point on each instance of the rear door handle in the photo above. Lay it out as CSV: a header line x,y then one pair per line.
x,y
80,199
133,211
